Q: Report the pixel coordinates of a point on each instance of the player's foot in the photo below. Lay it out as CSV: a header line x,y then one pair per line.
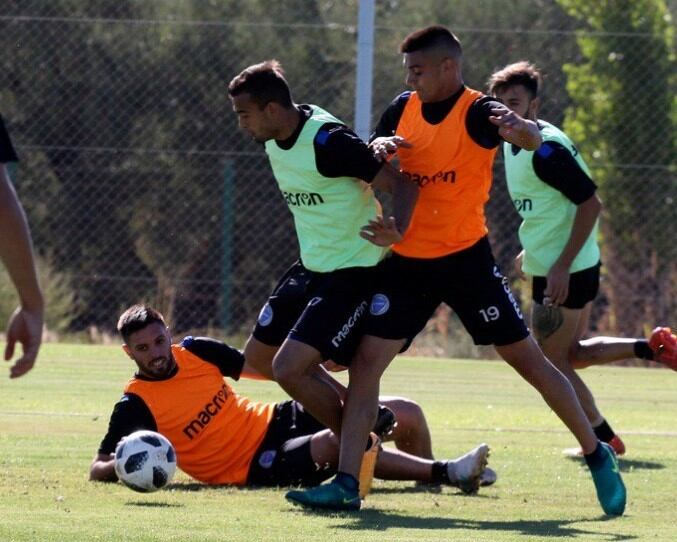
x,y
608,483
331,496
664,345
616,443
385,423
464,472
488,477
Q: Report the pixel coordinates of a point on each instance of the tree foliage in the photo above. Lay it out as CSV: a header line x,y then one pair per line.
x,y
624,112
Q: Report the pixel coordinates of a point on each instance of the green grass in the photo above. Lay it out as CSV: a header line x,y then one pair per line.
x,y
52,420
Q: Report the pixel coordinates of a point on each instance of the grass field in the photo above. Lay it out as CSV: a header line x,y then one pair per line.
x,y
52,420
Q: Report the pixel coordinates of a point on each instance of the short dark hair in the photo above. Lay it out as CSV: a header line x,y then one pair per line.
x,y
432,37
136,318
264,82
520,73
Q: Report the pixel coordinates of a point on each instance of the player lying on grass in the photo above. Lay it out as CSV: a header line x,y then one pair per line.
x,y
554,193
224,438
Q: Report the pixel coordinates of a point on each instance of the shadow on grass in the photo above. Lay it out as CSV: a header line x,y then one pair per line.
x,y
152,504
628,465
190,486
379,520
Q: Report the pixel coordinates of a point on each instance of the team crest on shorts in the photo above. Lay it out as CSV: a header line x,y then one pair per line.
x,y
379,304
266,459
266,315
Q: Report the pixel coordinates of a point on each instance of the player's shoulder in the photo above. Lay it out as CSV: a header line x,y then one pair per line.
x,y
397,105
550,131
332,130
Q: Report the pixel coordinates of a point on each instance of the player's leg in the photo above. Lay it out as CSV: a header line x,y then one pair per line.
x,y
411,434
328,328
463,472
555,329
661,346
260,356
277,317
600,426
294,369
361,403
484,303
527,359
397,312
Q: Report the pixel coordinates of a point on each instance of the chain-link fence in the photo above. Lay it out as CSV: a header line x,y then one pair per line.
x,y
138,185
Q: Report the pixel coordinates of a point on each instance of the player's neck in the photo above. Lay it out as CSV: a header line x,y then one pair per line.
x,y
289,123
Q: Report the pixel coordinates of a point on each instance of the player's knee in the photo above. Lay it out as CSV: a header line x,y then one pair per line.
x,y
284,371
408,413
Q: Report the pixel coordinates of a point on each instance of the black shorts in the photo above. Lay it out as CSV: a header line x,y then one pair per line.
x,y
468,281
322,310
583,288
283,458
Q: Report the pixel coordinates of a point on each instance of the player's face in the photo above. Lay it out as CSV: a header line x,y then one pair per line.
x,y
151,349
519,99
427,74
252,119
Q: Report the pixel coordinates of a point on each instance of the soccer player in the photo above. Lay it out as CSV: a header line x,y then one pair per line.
x,y
221,437
16,252
554,194
445,136
326,174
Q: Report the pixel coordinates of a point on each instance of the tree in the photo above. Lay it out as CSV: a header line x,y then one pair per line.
x,y
623,116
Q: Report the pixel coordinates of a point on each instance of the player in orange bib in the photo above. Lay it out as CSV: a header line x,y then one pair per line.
x,y
445,136
221,437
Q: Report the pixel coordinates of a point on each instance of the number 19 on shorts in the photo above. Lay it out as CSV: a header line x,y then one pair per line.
x,y
490,313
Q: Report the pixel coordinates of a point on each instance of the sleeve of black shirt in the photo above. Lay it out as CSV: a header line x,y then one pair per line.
x,y
391,117
229,360
129,414
556,166
480,128
7,153
339,152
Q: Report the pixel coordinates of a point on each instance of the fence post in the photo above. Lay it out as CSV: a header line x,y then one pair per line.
x,y
365,64
227,242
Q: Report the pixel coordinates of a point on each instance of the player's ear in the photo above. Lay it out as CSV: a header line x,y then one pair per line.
x,y
127,350
272,109
534,105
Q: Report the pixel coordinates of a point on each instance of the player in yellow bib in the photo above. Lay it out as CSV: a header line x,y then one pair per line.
x,y
554,193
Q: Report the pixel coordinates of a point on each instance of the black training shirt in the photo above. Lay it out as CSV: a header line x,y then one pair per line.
x,y
556,166
477,123
339,152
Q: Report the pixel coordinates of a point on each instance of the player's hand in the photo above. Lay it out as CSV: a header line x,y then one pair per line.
x,y
381,232
385,147
518,266
557,285
509,123
25,327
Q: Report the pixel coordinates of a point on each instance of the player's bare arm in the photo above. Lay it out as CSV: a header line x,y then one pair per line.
x,y
386,231
514,129
16,252
103,468
557,288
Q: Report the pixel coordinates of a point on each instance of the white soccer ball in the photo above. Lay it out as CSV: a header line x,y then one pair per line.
x,y
145,461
